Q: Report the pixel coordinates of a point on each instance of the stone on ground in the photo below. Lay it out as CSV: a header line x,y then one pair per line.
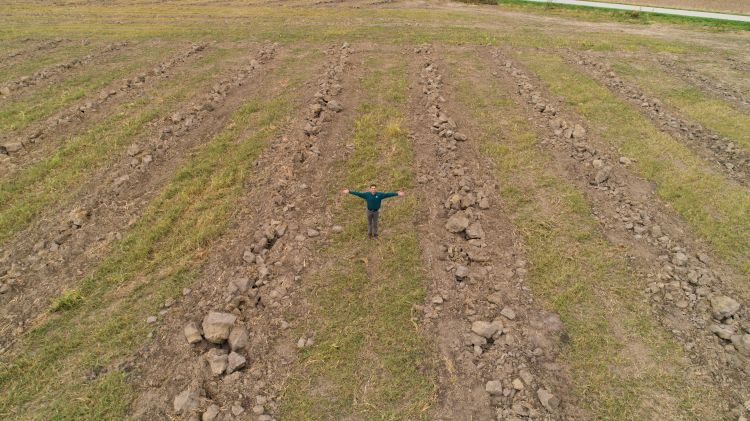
x,y
216,326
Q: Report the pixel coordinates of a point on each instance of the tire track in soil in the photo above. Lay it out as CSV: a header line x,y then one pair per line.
x,y
41,261
8,90
477,264
254,274
701,301
25,149
728,159
15,56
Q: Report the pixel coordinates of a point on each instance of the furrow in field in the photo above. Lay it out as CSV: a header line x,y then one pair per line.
x,y
254,273
12,89
75,363
55,95
498,346
73,238
731,156
719,81
361,355
691,293
23,53
19,151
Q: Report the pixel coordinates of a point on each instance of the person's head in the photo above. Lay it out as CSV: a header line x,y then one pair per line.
x,y
373,188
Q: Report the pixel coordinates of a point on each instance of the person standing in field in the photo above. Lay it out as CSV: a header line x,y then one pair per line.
x,y
373,199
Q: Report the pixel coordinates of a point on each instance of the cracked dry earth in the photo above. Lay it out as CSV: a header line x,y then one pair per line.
x,y
574,242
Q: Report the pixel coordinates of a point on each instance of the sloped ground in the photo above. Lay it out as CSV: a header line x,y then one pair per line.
x,y
573,243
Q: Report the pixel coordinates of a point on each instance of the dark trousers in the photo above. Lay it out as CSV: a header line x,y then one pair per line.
x,y
372,222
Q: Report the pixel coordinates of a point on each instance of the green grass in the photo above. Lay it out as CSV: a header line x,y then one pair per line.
x,y
55,179
715,208
712,113
105,322
369,361
15,115
623,365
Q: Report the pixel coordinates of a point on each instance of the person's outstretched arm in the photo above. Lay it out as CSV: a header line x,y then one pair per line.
x,y
399,193
356,193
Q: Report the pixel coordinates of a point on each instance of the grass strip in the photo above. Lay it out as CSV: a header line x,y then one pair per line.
x,y
623,365
57,177
715,208
162,253
368,361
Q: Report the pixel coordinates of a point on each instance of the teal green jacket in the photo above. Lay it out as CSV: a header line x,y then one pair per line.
x,y
373,200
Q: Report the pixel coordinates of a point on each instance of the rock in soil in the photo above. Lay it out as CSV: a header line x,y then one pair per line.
x,y
457,223
187,401
217,361
494,387
486,329
235,362
723,307
548,400
238,338
216,326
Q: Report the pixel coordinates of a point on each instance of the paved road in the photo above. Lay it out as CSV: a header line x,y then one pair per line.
x,y
649,9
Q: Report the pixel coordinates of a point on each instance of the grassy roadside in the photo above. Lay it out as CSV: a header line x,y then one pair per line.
x,y
623,365
55,178
603,14
716,209
15,115
715,114
44,378
368,361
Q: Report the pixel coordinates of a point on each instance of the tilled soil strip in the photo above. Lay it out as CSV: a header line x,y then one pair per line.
x,y
15,87
732,160
239,303
498,347
691,293
67,244
15,153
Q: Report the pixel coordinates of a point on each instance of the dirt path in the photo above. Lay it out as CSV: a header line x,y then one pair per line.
x,y
684,283
279,227
72,238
